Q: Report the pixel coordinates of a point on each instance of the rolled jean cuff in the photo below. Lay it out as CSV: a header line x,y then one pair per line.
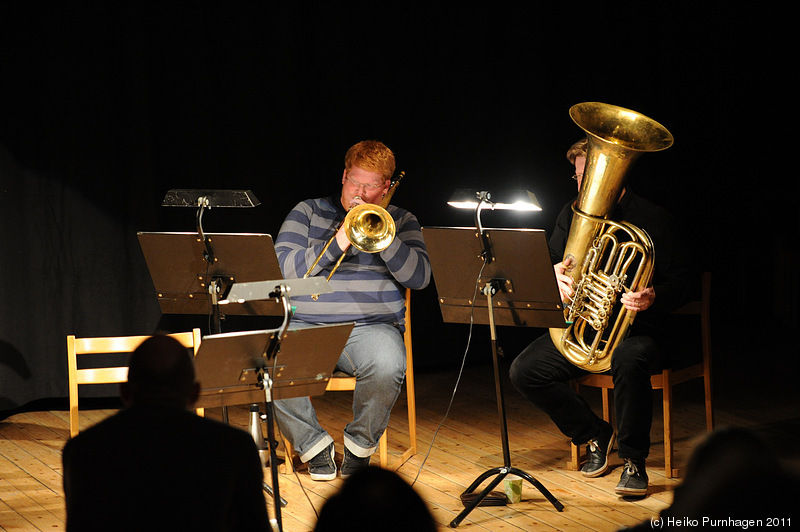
x,y
356,449
317,448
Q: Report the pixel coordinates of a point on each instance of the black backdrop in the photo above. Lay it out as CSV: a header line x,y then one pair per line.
x,y
107,107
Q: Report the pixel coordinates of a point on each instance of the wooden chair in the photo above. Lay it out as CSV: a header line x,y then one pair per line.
x,y
343,382
667,378
106,375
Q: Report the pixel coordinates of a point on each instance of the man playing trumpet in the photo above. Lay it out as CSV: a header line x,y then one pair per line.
x,y
368,289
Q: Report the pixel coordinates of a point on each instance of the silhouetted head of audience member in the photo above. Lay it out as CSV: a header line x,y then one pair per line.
x,y
374,498
732,473
719,450
160,372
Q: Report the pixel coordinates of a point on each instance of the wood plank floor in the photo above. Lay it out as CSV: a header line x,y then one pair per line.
x,y
467,443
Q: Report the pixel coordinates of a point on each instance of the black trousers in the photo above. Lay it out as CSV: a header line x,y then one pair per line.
x,y
541,373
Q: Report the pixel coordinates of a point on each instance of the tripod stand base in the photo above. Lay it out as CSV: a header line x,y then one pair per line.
x,y
500,473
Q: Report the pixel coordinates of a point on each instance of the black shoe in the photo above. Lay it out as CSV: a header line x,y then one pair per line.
x,y
598,450
352,463
322,466
633,482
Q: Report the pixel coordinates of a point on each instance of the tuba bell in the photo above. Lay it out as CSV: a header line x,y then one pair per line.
x,y
607,257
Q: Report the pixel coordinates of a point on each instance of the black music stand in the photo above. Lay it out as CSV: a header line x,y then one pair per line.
x,y
189,281
192,272
205,199
261,366
512,268
186,282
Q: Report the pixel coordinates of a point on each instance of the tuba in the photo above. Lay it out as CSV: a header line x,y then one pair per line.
x,y
607,257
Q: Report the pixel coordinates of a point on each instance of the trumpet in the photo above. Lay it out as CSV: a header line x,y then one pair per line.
x,y
368,227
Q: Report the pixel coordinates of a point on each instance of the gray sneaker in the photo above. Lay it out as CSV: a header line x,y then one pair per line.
x,y
352,463
322,466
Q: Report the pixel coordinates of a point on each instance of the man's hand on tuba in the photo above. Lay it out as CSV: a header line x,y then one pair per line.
x,y
564,281
638,301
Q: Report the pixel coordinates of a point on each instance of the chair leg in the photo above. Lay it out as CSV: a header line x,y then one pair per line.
x,y
73,421
575,451
575,459
669,471
709,403
383,449
606,405
288,452
411,399
397,462
411,396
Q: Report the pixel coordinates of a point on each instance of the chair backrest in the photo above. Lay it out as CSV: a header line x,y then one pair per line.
x,y
108,374
407,333
701,308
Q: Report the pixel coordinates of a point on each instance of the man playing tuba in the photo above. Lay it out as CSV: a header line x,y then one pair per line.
x,y
542,374
368,289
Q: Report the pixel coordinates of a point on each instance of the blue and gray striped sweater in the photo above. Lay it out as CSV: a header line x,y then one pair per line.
x,y
367,287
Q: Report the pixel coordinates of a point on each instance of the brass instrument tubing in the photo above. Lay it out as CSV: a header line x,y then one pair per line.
x,y
383,204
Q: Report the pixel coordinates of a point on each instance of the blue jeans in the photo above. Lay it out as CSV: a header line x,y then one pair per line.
x,y
376,356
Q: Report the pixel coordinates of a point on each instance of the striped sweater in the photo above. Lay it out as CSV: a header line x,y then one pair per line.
x,y
367,287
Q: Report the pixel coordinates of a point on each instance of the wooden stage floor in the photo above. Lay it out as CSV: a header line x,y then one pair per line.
x,y
466,445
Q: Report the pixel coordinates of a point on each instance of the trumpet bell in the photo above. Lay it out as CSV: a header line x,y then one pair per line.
x,y
369,228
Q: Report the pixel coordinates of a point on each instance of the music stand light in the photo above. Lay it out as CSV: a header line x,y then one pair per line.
x,y
194,197
206,199
511,200
479,200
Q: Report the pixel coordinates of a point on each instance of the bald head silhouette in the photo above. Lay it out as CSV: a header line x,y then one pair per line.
x,y
160,372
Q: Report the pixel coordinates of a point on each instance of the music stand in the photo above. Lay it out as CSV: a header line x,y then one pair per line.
x,y
242,293
187,283
517,278
261,366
